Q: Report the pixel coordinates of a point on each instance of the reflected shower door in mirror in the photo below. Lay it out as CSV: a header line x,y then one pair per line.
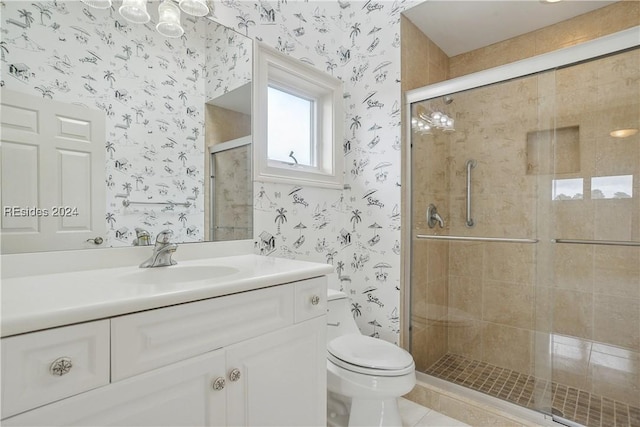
x,y
231,190
152,95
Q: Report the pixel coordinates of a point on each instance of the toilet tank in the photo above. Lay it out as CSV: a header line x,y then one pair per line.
x,y
339,318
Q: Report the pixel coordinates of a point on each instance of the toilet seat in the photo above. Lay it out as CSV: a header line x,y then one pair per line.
x,y
369,356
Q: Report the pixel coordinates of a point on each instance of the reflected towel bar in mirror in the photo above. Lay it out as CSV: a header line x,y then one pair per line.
x,y
127,202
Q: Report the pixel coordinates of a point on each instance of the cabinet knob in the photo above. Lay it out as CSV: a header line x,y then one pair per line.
x,y
315,300
96,241
60,366
234,375
218,384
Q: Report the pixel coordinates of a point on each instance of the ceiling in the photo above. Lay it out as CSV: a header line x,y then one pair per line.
x,y
459,26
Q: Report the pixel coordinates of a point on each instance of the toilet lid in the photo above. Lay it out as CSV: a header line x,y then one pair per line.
x,y
361,350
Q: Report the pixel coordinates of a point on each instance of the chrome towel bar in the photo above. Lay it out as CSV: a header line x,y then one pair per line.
x,y
476,239
513,240
597,242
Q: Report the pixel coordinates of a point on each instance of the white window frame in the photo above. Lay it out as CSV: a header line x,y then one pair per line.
x,y
272,68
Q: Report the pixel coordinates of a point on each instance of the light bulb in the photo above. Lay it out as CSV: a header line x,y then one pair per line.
x,y
98,4
194,7
169,20
135,11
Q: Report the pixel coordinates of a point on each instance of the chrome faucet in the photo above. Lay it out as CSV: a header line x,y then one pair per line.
x,y
162,251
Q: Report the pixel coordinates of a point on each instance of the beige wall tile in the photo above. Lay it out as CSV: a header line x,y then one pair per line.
x,y
572,313
570,362
438,260
625,14
617,271
607,20
510,262
466,259
507,347
465,295
615,375
508,304
616,320
465,339
428,345
573,265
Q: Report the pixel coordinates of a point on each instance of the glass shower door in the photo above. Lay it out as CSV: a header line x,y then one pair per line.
x,y
231,193
480,312
596,230
525,276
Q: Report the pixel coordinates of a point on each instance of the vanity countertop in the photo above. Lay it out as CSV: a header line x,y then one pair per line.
x,y
31,303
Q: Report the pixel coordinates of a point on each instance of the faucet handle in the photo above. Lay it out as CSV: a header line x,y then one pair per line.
x,y
164,236
143,238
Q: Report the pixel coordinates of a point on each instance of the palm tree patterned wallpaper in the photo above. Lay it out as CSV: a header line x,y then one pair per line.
x,y
151,90
357,229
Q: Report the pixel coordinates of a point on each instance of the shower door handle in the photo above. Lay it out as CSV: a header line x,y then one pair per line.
x,y
470,165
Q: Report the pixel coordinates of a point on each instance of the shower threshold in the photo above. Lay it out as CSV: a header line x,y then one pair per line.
x,y
526,390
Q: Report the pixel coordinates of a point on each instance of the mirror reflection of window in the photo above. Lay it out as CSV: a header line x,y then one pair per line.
x,y
290,128
567,189
612,187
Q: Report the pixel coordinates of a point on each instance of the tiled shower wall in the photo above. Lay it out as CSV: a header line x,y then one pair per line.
x,y
424,63
596,290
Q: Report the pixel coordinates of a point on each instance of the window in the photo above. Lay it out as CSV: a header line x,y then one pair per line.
x,y
291,121
297,122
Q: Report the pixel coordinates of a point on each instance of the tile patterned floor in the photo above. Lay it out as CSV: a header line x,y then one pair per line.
x,y
574,404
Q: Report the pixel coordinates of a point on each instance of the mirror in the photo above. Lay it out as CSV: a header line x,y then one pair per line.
x,y
171,109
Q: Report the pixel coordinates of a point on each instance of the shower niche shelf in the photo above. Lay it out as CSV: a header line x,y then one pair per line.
x,y
541,159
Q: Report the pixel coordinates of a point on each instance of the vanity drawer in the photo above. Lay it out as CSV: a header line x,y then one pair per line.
x,y
41,367
311,298
144,341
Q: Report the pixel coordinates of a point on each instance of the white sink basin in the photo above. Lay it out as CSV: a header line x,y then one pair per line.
x,y
178,274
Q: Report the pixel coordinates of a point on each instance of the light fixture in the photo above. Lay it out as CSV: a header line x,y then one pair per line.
x,y
194,7
98,4
168,13
623,133
424,122
169,20
135,11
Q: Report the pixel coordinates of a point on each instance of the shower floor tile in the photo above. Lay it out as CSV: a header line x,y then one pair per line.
x,y
526,390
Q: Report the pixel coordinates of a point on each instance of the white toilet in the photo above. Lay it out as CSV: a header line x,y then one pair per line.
x,y
365,376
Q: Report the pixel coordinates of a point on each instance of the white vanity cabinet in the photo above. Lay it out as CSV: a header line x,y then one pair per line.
x,y
254,358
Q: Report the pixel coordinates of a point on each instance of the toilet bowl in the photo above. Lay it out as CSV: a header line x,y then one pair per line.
x,y
365,375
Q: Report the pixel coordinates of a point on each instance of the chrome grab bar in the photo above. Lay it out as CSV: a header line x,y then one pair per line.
x,y
470,165
475,239
597,242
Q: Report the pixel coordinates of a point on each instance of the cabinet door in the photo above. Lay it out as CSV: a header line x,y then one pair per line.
x,y
282,378
177,395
